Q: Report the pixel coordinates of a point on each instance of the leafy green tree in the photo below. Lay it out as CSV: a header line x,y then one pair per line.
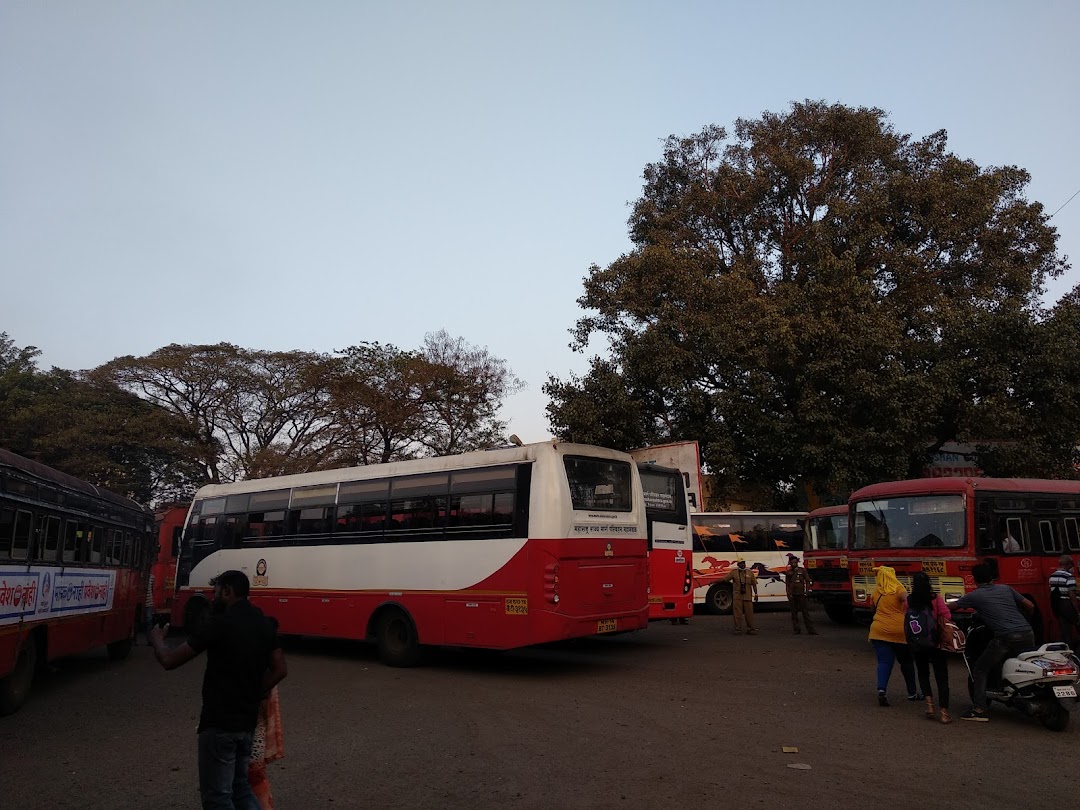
x,y
819,300
93,430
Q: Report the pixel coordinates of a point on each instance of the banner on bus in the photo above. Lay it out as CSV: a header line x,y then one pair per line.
x,y
44,593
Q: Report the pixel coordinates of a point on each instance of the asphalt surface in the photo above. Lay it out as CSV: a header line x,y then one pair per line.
x,y
674,716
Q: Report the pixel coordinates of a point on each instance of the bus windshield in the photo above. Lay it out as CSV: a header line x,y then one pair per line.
x,y
924,521
829,532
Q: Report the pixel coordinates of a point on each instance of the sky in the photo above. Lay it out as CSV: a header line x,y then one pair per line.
x,y
299,175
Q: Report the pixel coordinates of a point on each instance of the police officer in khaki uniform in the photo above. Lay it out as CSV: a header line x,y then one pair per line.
x,y
798,595
744,594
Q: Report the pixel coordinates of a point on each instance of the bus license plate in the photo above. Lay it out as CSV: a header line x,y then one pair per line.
x,y
935,568
607,625
1065,691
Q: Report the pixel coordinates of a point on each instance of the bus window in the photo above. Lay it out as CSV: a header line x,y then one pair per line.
x,y
1072,535
717,535
1050,542
263,527
786,535
599,484
1014,539
20,538
7,525
97,541
71,541
52,538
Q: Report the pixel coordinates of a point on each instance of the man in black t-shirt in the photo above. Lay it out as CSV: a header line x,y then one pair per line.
x,y
243,663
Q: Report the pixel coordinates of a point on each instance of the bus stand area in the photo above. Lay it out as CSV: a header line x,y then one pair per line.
x,y
675,715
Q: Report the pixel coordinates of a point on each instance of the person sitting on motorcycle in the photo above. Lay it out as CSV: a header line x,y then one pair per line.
x,y
1000,608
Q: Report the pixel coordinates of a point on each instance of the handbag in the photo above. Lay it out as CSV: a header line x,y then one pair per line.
x,y
950,637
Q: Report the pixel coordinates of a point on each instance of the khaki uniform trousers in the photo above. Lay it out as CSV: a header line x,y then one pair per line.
x,y
743,609
801,604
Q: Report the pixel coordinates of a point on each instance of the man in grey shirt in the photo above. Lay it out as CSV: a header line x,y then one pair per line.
x,y
1000,608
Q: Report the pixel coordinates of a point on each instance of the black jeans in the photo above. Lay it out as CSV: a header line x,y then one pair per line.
x,y
999,648
939,660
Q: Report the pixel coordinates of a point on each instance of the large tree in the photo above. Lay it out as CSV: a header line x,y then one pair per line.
x,y
93,430
819,299
260,413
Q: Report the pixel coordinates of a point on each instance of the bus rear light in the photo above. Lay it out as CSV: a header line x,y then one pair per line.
x,y
551,583
688,580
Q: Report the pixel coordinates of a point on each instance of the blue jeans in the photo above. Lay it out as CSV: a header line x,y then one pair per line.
x,y
224,757
887,653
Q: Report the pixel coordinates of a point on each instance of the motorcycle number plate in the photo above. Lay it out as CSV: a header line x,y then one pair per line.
x,y
1065,691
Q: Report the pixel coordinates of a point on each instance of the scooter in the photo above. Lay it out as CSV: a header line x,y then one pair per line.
x,y
1041,683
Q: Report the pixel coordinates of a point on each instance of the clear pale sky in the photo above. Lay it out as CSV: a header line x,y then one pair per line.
x,y
311,175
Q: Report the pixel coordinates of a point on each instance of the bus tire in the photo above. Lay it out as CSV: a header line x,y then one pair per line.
x,y
15,687
718,600
196,614
395,635
841,614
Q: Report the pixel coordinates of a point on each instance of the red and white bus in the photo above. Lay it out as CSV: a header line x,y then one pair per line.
x,y
671,543
170,527
71,571
762,539
825,557
492,549
944,526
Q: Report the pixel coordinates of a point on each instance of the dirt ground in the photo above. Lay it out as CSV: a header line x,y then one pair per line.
x,y
688,716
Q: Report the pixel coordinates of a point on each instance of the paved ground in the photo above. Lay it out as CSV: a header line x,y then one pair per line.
x,y
675,716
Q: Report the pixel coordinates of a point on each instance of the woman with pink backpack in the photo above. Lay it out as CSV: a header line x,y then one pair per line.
x,y
926,614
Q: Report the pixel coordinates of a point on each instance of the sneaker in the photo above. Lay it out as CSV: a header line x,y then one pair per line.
x,y
882,700
916,696
812,632
751,632
975,716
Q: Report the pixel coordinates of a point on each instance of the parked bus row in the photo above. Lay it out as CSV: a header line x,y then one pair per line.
x,y
493,549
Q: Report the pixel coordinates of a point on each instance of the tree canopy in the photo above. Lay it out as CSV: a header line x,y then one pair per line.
x,y
822,300
93,430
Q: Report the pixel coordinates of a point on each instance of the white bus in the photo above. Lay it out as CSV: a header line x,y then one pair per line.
x,y
763,539
494,549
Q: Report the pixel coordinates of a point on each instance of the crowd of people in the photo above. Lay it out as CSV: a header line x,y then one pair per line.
x,y
916,631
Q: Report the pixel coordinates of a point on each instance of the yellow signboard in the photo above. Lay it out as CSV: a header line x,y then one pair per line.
x,y
516,606
934,568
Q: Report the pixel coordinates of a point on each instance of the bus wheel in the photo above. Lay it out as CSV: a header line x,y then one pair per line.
x,y
15,687
841,614
718,600
396,636
196,614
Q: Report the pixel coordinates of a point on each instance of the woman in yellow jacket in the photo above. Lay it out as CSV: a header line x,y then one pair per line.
x,y
887,634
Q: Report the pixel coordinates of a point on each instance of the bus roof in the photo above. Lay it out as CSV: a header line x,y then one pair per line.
x,y
43,472
828,511
476,458
918,486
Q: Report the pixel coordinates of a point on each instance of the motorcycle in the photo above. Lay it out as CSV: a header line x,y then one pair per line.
x,y
1041,683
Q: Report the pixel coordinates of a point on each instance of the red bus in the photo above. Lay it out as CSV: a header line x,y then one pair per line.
x,y
944,526
170,527
671,543
825,555
492,549
72,574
